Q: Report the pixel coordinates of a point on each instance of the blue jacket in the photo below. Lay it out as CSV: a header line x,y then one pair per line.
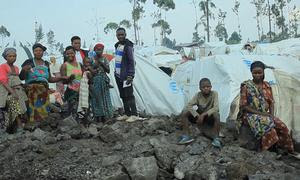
x,y
127,64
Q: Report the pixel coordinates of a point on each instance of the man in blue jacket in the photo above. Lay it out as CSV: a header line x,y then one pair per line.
x,y
124,74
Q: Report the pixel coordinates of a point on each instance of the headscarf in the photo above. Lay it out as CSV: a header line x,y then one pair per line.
x,y
7,51
257,64
98,45
38,45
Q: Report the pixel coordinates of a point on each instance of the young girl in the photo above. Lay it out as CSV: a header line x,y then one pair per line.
x,y
84,91
13,96
72,69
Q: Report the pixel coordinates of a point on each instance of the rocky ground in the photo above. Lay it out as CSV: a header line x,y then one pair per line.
x,y
145,150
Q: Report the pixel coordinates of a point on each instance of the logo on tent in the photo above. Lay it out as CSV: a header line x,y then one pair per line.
x,y
173,86
248,63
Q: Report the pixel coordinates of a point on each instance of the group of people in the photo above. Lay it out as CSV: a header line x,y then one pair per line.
x,y
256,113
87,92
82,82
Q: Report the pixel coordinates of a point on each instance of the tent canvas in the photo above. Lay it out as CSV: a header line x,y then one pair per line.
x,y
155,92
160,56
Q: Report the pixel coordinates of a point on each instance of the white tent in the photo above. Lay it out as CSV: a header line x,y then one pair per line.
x,y
155,92
227,72
286,47
160,56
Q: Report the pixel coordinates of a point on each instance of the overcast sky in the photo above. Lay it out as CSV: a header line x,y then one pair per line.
x,y
77,17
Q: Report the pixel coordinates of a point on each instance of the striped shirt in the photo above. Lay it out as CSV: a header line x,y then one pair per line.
x,y
118,59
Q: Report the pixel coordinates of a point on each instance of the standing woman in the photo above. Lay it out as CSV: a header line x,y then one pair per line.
x,y
13,96
100,97
36,73
72,69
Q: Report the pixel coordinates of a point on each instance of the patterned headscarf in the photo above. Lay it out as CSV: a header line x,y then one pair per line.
x,y
7,51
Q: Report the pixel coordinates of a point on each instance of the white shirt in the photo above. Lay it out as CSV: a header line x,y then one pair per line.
x,y
78,57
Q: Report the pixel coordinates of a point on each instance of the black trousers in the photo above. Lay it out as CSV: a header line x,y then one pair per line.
x,y
127,97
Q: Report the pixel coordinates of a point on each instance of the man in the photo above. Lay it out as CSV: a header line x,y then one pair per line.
x,y
80,53
207,115
124,74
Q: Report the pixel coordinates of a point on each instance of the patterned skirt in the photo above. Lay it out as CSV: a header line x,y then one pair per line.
x,y
38,102
270,131
12,112
100,96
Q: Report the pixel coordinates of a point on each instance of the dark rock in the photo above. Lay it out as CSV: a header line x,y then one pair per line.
x,y
165,157
142,147
186,163
61,137
246,138
154,124
143,168
73,149
50,140
111,160
2,147
39,134
108,135
75,133
69,122
118,147
93,130
164,174
111,173
296,139
241,170
196,148
273,176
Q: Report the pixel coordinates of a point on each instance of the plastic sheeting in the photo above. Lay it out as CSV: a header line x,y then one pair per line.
x,y
289,47
160,56
155,92
287,93
226,73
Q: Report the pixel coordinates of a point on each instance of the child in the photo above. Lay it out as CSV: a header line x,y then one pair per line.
x,y
85,87
207,114
55,70
13,97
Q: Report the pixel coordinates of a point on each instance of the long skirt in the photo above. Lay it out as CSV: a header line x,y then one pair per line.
x,y
278,135
270,131
100,96
38,102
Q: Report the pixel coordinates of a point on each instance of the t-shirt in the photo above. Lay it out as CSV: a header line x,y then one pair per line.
x,y
4,72
78,57
209,104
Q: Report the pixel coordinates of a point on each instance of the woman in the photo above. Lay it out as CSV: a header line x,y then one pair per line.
x,y
13,97
100,97
257,110
73,69
36,73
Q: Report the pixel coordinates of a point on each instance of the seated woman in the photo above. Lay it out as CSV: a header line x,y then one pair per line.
x,y
73,69
257,112
13,97
36,73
